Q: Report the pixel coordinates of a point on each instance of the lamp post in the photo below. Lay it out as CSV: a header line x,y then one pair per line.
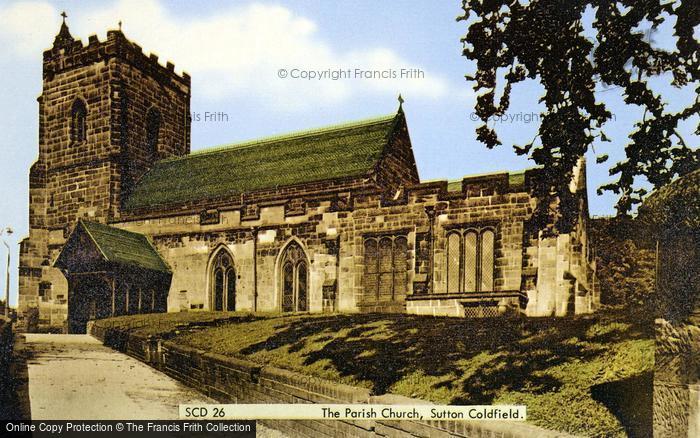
x,y
8,232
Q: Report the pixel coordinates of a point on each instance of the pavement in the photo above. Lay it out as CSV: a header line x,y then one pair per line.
x,y
75,377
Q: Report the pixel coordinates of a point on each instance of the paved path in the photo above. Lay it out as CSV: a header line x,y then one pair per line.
x,y
75,377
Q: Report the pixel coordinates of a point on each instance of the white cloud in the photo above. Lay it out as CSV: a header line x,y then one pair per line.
x,y
238,51
27,28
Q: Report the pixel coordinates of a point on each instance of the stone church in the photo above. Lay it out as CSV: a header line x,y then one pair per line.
x,y
125,219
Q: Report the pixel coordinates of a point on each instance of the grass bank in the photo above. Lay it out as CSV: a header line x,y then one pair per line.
x,y
586,375
162,324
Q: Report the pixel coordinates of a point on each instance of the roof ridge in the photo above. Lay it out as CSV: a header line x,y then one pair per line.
x,y
293,135
85,223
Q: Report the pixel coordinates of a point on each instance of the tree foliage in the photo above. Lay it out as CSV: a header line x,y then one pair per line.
x,y
545,40
625,262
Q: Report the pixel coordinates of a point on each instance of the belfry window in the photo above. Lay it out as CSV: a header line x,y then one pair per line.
x,y
152,131
470,260
77,121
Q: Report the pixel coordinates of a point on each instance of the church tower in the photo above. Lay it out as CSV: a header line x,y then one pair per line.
x,y
107,112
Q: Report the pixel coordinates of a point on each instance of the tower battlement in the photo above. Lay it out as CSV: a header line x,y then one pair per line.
x,y
68,53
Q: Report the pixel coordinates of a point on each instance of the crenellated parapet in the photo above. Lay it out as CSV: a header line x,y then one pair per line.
x,y
68,53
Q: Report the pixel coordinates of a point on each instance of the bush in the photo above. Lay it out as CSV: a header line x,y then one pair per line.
x,y
625,259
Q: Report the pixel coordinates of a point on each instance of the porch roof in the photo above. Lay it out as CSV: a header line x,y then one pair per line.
x,y
114,245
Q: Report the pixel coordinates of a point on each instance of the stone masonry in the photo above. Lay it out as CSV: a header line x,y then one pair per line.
x,y
369,241
71,179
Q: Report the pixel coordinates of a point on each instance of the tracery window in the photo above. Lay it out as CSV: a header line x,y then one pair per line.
x,y
294,279
470,259
223,282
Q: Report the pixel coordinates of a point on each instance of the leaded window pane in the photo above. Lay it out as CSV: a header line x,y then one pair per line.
x,y
301,287
219,290
400,267
385,269
453,256
371,278
385,253
487,249
230,290
288,287
470,261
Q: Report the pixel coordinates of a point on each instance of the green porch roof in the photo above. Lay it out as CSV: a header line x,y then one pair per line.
x,y
349,150
125,247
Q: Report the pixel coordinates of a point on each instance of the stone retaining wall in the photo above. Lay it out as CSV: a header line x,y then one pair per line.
x,y
235,380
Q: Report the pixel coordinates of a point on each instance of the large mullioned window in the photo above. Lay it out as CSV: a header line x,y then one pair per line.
x,y
386,266
470,259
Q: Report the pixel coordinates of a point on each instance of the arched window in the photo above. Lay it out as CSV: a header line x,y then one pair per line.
x,y
294,279
152,131
223,294
77,121
386,268
470,260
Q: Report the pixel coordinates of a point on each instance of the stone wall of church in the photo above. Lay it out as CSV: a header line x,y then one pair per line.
x,y
332,235
85,178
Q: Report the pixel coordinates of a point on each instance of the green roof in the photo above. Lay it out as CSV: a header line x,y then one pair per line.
x,y
125,247
349,150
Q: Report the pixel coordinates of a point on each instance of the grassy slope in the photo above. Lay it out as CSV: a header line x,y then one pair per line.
x,y
158,324
584,375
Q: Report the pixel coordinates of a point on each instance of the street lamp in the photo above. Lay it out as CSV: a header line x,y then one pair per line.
x,y
7,231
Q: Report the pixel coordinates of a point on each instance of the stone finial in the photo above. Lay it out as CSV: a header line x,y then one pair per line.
x,y
64,38
400,99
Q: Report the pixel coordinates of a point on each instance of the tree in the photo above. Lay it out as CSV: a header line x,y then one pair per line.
x,y
544,40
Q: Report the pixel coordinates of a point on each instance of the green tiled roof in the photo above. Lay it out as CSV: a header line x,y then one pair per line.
x,y
334,152
125,247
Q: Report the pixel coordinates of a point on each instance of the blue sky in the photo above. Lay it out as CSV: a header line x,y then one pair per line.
x,y
234,51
